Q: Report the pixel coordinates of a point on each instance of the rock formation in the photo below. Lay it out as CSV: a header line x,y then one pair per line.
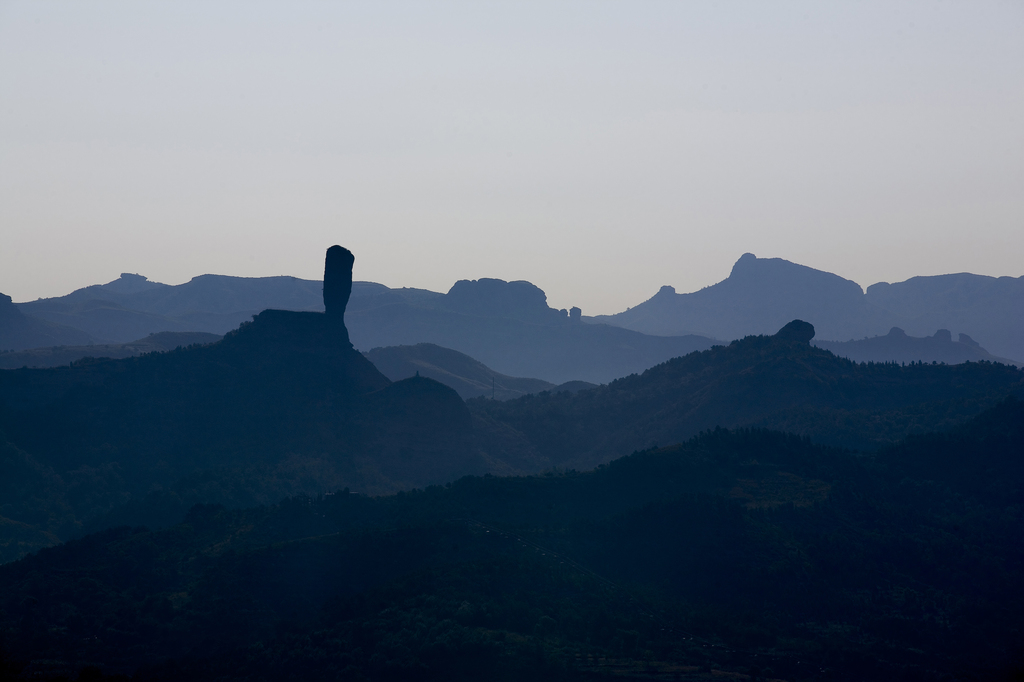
x,y
797,330
337,279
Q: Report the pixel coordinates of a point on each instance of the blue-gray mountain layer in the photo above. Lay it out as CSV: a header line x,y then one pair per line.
x,y
508,326
762,294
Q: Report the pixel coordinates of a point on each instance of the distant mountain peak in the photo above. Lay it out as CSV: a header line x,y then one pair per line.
x,y
129,283
487,297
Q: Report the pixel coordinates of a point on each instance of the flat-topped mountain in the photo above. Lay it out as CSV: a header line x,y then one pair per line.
x,y
761,294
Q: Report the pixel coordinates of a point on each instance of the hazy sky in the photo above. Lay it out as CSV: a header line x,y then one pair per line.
x,y
597,149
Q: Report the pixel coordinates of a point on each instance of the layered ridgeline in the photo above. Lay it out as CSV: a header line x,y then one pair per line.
x,y
281,405
778,381
56,356
18,330
762,294
131,307
898,346
745,555
507,326
286,405
471,379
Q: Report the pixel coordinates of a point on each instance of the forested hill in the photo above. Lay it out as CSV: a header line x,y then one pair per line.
x,y
746,555
280,406
775,381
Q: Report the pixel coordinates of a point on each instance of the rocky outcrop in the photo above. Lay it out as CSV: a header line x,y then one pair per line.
x,y
488,297
797,331
337,280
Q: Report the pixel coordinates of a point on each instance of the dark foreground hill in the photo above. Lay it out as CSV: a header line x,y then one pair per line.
x,y
470,378
55,356
778,381
744,555
284,404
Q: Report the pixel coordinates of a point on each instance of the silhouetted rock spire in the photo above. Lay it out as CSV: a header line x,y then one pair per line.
x,y
797,330
337,279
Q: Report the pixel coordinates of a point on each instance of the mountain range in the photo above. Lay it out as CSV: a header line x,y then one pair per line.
x,y
56,356
271,505
509,327
469,378
762,294
737,555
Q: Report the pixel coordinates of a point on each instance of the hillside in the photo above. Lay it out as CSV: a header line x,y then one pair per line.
x,y
506,325
898,346
557,350
282,405
989,309
778,381
758,297
736,555
469,378
132,307
762,294
55,356
19,331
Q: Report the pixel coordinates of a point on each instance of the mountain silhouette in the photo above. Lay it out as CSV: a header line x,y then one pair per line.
x,y
761,294
509,327
55,356
778,381
989,309
470,378
132,307
506,325
897,346
19,331
286,392
738,554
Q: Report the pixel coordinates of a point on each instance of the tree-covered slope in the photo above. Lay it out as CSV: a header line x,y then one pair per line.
x,y
768,381
739,553
280,406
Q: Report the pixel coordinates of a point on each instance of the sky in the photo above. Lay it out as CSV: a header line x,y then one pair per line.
x,y
597,149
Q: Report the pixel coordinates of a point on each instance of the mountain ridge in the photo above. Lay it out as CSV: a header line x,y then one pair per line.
x,y
761,294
